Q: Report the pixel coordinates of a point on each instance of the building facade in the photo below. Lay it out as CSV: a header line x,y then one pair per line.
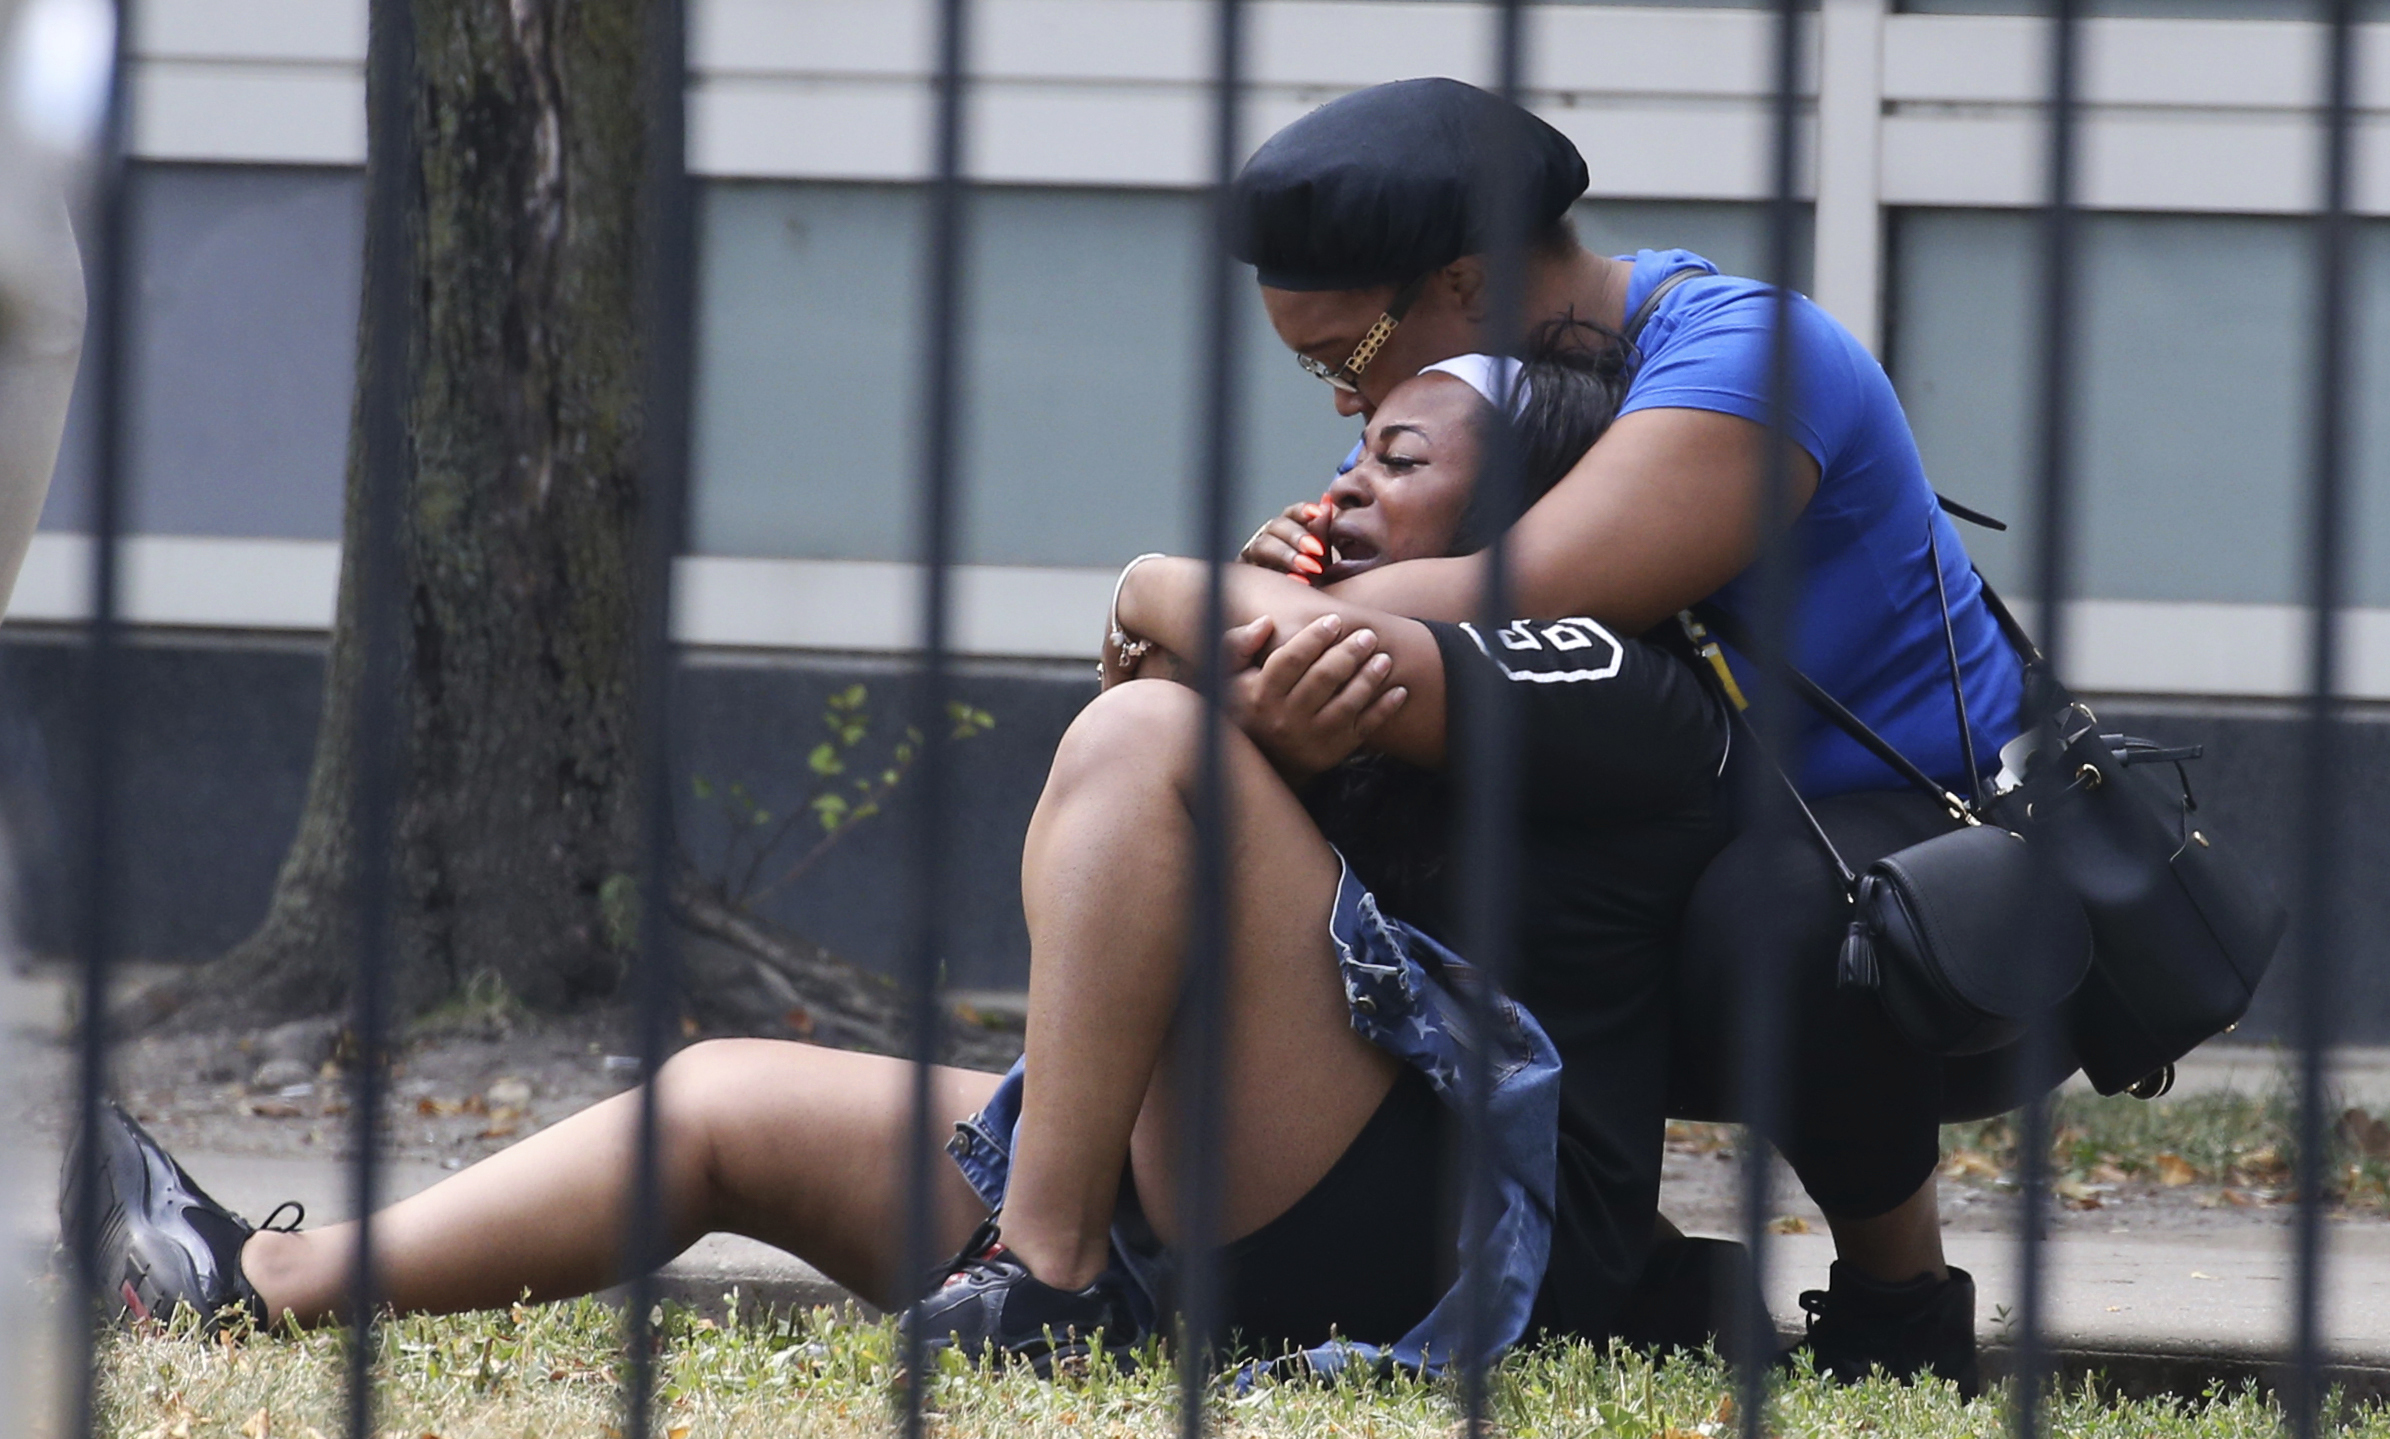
x,y
1922,145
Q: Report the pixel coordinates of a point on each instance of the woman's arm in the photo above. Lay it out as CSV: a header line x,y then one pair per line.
x,y
1660,514
1162,600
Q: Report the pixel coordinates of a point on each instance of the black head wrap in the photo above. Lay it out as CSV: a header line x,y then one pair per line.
x,y
1389,183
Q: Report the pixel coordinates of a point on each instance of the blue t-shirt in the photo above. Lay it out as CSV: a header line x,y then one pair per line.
x,y
1869,626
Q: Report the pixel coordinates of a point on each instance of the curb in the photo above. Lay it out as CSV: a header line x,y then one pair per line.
x,y
2190,1373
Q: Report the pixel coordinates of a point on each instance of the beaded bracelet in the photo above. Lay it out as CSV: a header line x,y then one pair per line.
x,y
1126,650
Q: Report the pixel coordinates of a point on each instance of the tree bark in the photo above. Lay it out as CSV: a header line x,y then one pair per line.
x,y
517,806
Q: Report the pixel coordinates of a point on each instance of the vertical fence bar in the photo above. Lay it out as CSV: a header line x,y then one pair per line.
x,y
667,302
96,933
385,400
1762,1018
2327,563
941,429
1488,869
2054,546
1203,1004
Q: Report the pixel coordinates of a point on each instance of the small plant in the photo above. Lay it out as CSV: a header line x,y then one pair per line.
x,y
850,786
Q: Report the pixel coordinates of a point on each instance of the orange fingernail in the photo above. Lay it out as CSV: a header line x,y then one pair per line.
x,y
1305,564
1310,546
1311,512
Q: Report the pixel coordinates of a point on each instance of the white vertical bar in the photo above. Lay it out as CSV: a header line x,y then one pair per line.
x,y
1850,113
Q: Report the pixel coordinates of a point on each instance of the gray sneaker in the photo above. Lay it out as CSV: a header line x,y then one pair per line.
x,y
164,1244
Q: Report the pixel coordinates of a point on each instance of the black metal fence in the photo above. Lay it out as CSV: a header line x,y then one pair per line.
x,y
667,296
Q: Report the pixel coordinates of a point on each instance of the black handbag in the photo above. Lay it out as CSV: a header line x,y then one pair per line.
x,y
2079,881
2182,928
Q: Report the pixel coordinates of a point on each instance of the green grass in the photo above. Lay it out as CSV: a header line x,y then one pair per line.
x,y
553,1370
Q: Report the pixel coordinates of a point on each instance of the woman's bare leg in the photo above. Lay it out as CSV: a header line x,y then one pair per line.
x,y
1104,881
798,1146
1898,1245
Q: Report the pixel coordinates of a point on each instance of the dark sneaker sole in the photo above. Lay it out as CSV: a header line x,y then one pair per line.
x,y
1072,1359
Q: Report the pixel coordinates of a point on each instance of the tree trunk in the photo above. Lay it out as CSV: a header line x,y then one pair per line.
x,y
517,805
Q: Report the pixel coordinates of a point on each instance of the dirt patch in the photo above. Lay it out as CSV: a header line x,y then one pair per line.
x,y
458,1091
1701,1178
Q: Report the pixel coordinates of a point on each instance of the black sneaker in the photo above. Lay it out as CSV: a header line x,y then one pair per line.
x,y
987,1304
164,1244
1858,1324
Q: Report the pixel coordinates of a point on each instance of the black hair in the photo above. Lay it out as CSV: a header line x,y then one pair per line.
x,y
1576,373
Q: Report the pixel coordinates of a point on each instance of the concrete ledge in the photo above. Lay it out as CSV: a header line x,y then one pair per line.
x,y
2189,1373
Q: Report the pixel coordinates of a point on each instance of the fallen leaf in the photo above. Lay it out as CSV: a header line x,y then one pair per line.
x,y
1970,1164
2237,1199
2174,1171
2077,1193
2368,1135
260,1426
2195,1274
2108,1172
275,1109
502,1123
2116,1309
799,1021
1788,1224
508,1093
677,1431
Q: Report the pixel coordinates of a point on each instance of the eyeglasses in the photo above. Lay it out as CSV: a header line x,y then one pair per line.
x,y
1347,376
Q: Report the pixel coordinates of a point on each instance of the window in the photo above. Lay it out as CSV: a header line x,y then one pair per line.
x,y
2193,406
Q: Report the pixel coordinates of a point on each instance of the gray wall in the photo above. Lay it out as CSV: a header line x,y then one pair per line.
x,y
221,733
2147,9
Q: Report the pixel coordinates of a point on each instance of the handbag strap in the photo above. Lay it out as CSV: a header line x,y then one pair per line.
x,y
1732,631
1958,688
1651,302
1711,666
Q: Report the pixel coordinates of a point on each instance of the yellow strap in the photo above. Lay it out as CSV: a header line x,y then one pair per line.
x,y
1699,634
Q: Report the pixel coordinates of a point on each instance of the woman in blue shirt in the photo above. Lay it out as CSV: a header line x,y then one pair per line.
x,y
1368,223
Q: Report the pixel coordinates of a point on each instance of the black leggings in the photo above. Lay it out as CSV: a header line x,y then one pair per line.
x,y
1858,1111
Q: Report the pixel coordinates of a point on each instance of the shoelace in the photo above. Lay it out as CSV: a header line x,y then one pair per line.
x,y
1813,1305
985,1243
298,1216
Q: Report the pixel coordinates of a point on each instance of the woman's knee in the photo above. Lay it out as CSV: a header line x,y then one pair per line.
x,y
703,1089
1143,728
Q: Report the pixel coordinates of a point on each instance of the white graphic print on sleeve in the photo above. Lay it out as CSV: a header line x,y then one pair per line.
x,y
1592,653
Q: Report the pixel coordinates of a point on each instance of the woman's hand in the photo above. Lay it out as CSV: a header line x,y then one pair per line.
x,y
1316,698
1292,543
1321,694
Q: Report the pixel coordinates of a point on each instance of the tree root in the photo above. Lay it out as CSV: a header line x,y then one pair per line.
x,y
739,972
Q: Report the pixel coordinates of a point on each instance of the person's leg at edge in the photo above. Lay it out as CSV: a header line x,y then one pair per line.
x,y
798,1146
1898,1245
1862,1106
1105,884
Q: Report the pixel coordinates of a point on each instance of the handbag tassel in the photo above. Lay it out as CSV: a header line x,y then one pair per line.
x,y
1856,969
